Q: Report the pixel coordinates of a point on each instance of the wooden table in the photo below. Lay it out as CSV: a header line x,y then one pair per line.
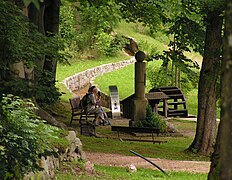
x,y
159,96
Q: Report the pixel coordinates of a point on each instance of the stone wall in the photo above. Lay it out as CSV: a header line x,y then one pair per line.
x,y
50,163
82,79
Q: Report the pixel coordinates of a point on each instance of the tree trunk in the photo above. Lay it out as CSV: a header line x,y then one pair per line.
x,y
179,84
47,20
221,166
173,74
37,17
226,114
51,24
206,119
214,167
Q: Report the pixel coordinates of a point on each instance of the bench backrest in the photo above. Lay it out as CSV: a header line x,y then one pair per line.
x,y
75,102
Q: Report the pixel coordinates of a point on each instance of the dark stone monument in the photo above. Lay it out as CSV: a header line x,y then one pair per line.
x,y
139,102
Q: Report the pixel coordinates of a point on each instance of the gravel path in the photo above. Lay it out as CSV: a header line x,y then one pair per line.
x,y
166,165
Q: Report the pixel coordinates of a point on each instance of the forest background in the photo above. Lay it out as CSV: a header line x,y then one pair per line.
x,y
29,54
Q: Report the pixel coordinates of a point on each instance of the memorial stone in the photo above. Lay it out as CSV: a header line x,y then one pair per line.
x,y
139,102
115,104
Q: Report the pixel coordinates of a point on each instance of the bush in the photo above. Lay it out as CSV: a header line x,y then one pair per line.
x,y
95,24
46,92
23,136
153,120
108,44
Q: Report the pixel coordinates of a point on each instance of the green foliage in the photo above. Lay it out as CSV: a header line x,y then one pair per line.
x,y
147,47
184,26
161,74
146,12
152,120
46,92
68,28
107,44
13,33
20,41
23,136
186,30
97,20
35,2
87,27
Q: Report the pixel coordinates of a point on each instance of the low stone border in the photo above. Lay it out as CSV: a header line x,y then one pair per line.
x,y
82,79
49,164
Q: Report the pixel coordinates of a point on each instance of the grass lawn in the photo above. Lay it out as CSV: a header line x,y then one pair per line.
x,y
173,149
65,70
122,78
120,173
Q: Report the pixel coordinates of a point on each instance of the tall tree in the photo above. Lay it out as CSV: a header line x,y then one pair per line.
x,y
29,49
46,18
206,118
198,15
28,57
221,165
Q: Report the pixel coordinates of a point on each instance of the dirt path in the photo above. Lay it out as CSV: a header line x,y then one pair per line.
x,y
166,165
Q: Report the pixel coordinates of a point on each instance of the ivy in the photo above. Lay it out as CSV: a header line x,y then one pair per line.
x,y
20,41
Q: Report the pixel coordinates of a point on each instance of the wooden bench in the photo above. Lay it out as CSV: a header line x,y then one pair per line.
x,y
78,112
129,129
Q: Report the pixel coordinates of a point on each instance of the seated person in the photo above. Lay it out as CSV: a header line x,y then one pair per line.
x,y
106,122
92,106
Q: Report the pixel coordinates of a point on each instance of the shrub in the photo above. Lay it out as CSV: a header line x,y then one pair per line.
x,y
153,120
108,44
46,92
95,24
23,136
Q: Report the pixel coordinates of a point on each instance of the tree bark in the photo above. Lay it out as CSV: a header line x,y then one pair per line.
x,y
221,166
226,113
47,21
37,17
214,167
51,25
206,119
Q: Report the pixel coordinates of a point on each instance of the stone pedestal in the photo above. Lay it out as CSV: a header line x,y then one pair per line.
x,y
139,102
139,111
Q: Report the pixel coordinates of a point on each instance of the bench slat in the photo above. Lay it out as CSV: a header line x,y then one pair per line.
x,y
135,129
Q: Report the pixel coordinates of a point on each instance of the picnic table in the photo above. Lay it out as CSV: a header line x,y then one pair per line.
x,y
158,96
